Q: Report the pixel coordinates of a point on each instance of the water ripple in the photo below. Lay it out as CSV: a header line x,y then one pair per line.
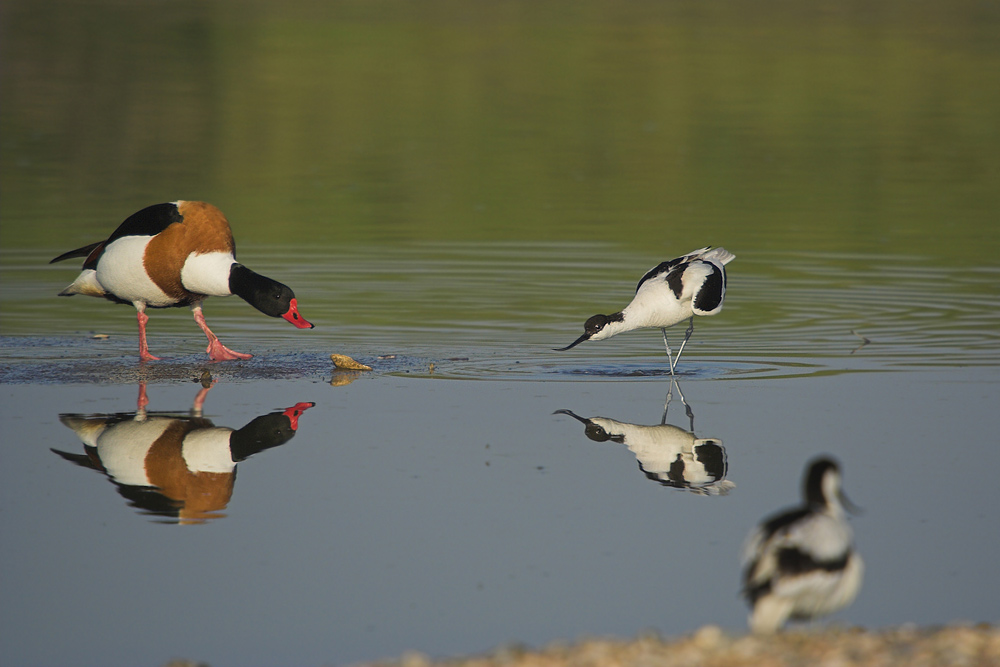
x,y
496,311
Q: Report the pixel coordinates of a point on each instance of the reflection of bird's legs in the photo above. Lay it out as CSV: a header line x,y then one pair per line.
x,y
670,359
687,337
687,408
199,400
141,402
670,395
207,382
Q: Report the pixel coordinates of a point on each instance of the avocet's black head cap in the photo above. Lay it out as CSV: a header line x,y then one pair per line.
x,y
591,429
812,483
821,485
590,328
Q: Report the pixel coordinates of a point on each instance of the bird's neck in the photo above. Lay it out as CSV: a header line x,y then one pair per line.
x,y
262,433
249,285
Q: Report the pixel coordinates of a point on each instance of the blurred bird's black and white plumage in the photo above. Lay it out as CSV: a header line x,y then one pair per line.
x,y
800,564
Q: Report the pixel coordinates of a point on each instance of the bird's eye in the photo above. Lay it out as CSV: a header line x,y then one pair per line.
x,y
596,433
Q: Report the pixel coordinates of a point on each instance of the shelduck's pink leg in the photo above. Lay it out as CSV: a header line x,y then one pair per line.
x,y
216,350
144,354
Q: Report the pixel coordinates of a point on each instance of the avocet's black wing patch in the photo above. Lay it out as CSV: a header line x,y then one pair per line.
x,y
781,521
794,561
713,289
670,266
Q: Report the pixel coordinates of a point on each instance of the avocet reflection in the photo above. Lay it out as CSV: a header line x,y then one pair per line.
x,y
666,454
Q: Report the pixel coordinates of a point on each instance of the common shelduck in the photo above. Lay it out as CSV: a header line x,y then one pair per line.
x,y
176,254
666,454
181,468
800,563
671,292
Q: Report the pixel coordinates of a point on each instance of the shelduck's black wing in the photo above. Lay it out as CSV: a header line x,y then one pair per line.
x,y
79,252
150,221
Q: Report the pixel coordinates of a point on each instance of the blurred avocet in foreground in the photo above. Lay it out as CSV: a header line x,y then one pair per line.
x,y
800,563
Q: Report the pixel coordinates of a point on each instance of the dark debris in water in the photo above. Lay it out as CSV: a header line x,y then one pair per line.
x,y
619,372
62,360
40,360
53,360
634,371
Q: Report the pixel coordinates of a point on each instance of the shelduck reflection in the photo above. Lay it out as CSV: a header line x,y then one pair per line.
x,y
176,468
666,454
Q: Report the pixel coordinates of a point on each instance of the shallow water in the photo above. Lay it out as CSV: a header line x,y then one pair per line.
x,y
452,191
449,508
495,311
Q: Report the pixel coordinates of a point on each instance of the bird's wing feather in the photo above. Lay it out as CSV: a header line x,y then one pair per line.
x,y
668,267
79,252
150,221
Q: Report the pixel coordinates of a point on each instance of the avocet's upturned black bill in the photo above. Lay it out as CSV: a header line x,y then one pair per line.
x,y
671,292
800,563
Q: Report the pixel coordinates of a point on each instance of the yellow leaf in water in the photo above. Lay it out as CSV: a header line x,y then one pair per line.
x,y
345,362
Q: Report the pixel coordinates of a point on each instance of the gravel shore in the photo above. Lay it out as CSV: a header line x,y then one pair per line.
x,y
910,646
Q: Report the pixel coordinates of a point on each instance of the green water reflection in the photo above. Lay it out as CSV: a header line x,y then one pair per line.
x,y
848,128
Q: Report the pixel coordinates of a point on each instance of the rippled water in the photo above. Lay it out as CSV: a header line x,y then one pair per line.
x,y
495,311
448,501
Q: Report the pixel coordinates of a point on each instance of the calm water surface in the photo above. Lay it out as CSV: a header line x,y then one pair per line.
x,y
452,190
449,509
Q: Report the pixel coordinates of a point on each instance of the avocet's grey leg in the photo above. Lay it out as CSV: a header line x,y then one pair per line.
x,y
687,337
670,359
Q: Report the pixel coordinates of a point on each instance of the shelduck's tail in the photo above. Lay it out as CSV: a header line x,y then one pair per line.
x,y
85,283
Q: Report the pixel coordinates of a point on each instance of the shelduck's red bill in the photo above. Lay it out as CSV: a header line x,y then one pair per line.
x,y
293,316
293,413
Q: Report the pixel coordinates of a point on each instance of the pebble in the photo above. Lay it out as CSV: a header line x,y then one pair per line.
x,y
347,363
709,646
